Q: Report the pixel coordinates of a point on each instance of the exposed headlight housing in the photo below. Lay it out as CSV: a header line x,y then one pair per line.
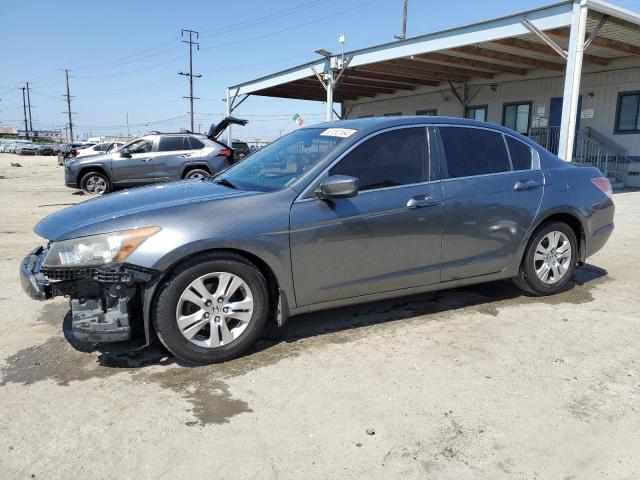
x,y
96,250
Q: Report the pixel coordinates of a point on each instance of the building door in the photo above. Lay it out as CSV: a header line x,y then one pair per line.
x,y
555,117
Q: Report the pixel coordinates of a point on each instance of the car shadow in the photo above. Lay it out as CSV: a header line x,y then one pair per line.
x,y
134,354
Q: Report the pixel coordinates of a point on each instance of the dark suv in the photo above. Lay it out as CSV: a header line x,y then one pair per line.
x,y
152,158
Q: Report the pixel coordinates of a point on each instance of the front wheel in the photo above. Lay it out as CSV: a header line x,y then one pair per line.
x,y
196,173
212,308
549,260
95,183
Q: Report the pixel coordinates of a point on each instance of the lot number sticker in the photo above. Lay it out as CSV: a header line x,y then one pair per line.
x,y
338,132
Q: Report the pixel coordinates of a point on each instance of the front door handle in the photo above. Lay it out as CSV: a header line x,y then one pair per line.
x,y
148,159
525,185
420,201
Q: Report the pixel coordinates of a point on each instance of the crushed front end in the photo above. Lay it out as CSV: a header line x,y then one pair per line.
x,y
105,300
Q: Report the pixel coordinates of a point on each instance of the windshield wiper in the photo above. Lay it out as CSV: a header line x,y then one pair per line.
x,y
226,183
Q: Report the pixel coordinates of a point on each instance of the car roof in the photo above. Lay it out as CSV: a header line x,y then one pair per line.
x,y
376,123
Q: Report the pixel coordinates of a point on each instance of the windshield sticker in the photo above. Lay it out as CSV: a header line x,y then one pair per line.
x,y
338,132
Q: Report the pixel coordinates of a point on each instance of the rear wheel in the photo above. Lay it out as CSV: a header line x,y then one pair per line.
x,y
95,183
196,173
212,308
549,260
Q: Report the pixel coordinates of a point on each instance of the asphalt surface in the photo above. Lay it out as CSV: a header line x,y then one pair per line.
x,y
472,383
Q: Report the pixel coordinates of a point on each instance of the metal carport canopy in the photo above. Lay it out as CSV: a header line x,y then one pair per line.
x,y
543,38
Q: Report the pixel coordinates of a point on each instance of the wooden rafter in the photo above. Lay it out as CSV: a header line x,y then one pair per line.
x,y
400,71
343,87
347,79
509,57
471,63
437,67
405,79
602,42
544,49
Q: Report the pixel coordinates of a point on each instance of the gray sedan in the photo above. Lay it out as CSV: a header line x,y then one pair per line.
x,y
329,215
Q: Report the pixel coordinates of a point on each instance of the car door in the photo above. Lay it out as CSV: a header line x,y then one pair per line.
x,y
173,152
388,237
134,164
489,205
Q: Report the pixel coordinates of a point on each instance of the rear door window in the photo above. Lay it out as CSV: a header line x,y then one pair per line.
x,y
396,157
173,143
473,151
521,153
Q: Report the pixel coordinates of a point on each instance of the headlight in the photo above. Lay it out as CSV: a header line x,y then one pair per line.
x,y
97,249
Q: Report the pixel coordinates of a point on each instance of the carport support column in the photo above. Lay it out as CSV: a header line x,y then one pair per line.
x,y
330,85
229,136
572,80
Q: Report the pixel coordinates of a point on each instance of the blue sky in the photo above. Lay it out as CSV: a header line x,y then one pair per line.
x,y
125,56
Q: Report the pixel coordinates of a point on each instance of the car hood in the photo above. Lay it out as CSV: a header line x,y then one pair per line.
x,y
86,218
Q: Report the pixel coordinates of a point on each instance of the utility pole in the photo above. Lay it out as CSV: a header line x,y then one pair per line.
x,y
190,74
127,124
66,75
29,107
24,108
403,35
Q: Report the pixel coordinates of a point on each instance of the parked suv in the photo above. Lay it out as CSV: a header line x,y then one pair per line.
x,y
326,216
152,158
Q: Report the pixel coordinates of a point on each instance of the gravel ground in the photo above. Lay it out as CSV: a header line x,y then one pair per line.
x,y
469,383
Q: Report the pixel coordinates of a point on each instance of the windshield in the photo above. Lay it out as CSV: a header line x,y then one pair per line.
x,y
282,162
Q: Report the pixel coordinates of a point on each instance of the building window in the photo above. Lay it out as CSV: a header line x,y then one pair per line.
x,y
478,113
394,114
517,116
628,113
432,112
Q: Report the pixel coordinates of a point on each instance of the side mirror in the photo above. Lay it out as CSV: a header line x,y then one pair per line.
x,y
337,186
125,154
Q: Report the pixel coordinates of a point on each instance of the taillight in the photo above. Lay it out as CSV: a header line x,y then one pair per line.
x,y
604,185
225,152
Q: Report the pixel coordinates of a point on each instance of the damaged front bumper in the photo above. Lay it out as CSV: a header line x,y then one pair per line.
x,y
104,300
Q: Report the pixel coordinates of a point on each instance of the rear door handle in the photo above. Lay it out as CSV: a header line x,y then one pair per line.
x,y
185,155
148,159
525,185
420,201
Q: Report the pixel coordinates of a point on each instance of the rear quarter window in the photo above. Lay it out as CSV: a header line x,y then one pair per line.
x,y
521,153
473,151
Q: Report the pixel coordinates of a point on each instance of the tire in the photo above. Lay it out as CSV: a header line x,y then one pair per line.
x,y
205,322
196,173
560,264
95,183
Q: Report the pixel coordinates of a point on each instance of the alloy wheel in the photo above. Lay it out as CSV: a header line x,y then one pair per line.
x,y
214,309
96,185
552,257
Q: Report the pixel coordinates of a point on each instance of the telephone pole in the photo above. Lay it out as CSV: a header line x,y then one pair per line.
x,y
29,107
403,35
190,74
66,76
24,108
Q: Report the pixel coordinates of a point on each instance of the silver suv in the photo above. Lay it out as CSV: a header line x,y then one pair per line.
x,y
152,158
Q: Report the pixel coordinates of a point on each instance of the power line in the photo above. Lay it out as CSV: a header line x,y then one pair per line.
x,y
190,74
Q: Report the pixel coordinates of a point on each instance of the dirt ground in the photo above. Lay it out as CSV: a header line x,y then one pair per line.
x,y
473,383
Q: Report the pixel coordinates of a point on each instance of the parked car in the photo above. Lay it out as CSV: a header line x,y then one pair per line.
x,y
67,150
339,213
27,149
153,158
104,147
240,149
6,147
44,149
